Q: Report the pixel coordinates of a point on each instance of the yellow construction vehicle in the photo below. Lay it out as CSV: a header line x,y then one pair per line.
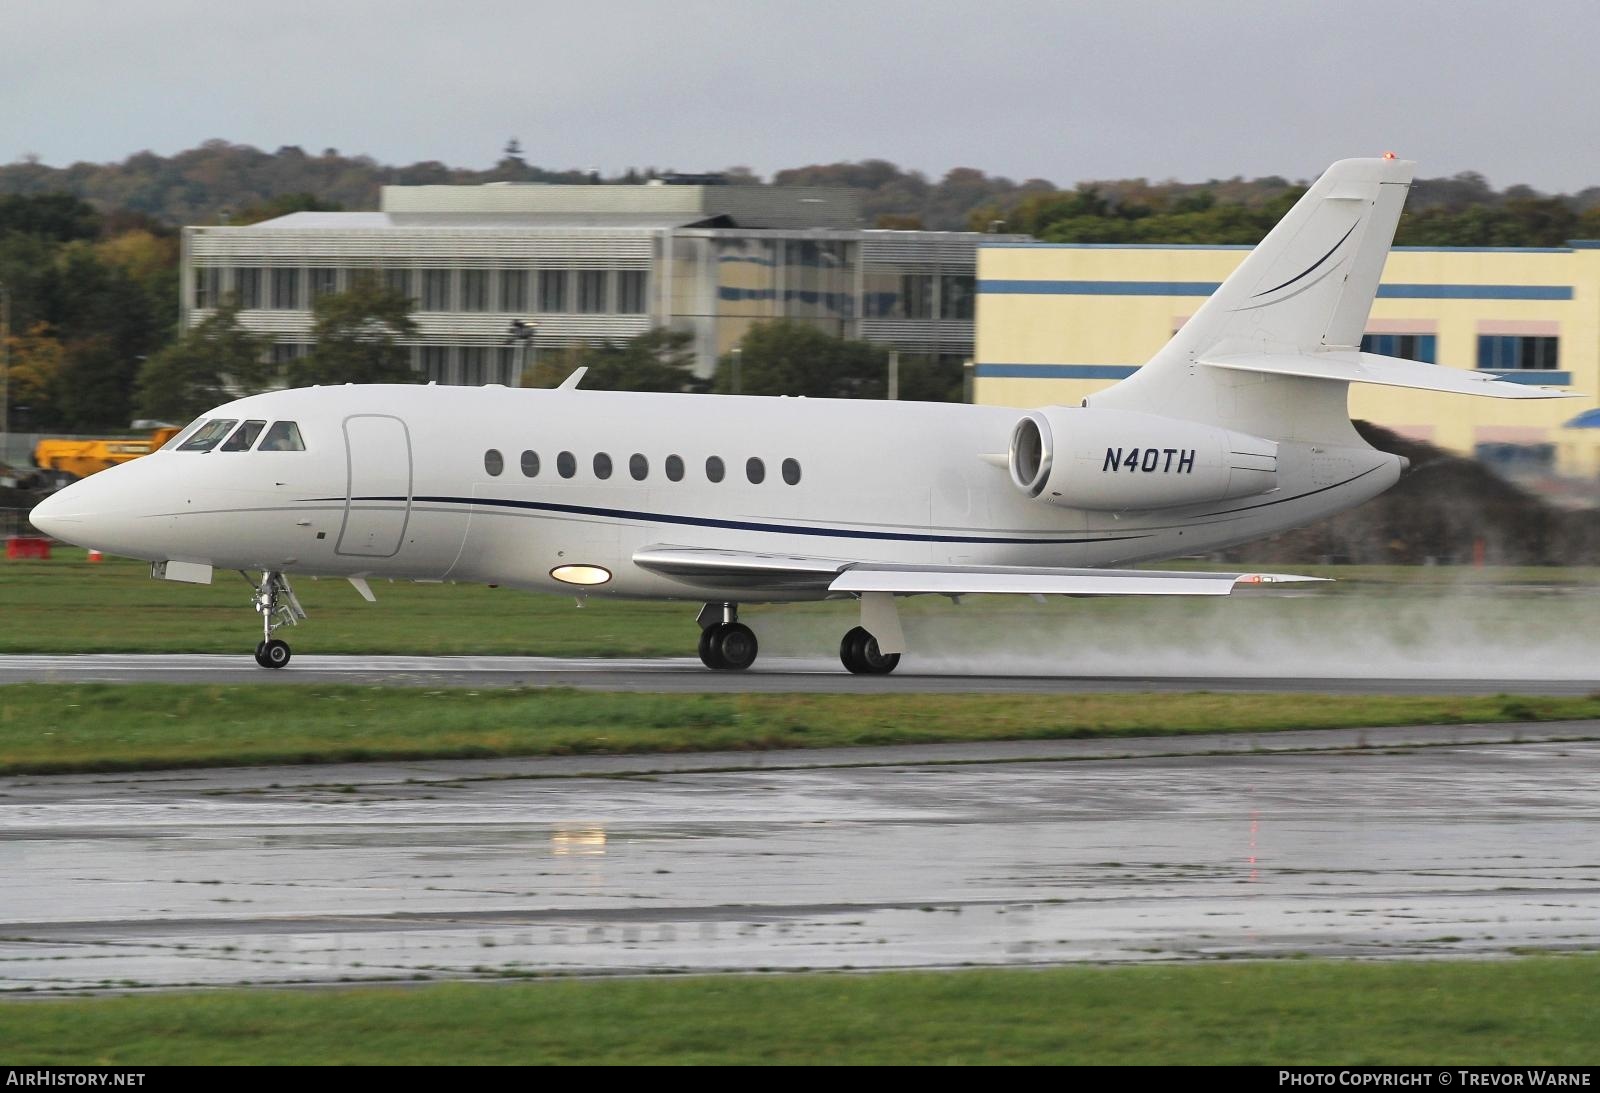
x,y
62,460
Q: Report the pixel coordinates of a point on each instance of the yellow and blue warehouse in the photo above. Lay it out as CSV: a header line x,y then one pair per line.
x,y
1058,322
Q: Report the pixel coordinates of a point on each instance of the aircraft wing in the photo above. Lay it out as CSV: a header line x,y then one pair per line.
x,y
709,568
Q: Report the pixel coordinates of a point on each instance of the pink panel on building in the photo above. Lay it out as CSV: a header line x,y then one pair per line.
x,y
1511,434
1524,328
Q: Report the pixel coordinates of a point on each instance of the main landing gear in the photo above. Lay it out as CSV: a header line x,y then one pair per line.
x,y
860,654
726,645
275,602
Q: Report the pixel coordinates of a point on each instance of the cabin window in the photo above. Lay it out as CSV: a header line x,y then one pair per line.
x,y
674,467
602,465
244,436
566,465
530,464
493,462
791,471
210,435
638,466
284,436
714,469
755,470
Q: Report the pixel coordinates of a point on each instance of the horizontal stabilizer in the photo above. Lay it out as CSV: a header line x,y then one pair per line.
x,y
787,572
1345,366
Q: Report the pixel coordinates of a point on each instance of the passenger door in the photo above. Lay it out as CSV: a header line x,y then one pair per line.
x,y
378,498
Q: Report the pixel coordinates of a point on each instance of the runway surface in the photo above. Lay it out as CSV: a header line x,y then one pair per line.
x,y
774,674
1355,842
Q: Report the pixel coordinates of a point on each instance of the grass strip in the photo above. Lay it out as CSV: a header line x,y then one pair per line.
x,y
1539,1010
67,605
59,728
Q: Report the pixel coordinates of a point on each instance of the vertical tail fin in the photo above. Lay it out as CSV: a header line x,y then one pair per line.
x,y
1307,287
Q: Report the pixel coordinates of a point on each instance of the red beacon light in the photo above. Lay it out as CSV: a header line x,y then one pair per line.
x,y
1390,155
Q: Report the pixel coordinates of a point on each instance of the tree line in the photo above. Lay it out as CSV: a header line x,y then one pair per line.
x,y
89,264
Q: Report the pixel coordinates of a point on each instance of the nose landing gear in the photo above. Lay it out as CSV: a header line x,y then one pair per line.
x,y
275,602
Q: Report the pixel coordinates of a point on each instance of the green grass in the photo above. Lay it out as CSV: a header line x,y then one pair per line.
x,y
67,605
1524,1011
54,728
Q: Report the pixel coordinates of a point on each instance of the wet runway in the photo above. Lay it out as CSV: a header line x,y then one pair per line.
x,y
1350,842
686,674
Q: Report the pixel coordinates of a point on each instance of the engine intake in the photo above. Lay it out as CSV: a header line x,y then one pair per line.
x,y
1113,460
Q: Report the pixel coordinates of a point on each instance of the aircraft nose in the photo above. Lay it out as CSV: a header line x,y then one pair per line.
x,y
105,511
56,515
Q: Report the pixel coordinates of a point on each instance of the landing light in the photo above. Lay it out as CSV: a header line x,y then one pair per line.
x,y
581,574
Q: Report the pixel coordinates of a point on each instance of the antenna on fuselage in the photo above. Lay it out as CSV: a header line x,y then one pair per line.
x,y
572,381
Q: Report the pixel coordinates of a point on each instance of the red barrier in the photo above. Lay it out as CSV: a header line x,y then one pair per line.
x,y
27,546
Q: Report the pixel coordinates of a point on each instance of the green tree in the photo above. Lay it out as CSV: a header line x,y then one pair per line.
x,y
657,360
785,357
356,337
214,362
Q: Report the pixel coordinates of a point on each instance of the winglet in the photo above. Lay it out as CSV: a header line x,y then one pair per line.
x,y
572,381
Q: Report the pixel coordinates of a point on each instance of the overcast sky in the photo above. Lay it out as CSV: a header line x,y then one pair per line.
x,y
1026,88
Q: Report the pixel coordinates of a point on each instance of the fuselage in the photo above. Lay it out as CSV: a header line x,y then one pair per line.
x,y
505,486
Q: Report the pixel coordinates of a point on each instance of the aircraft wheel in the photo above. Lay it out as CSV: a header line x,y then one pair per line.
x,y
860,654
708,648
735,645
273,654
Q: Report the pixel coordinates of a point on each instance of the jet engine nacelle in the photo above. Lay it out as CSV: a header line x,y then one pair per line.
x,y
1113,460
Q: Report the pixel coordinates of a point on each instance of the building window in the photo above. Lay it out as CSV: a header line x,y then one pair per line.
x,y
474,290
474,364
436,290
552,290
602,466
1413,347
591,291
674,467
324,282
1515,459
436,363
247,285
530,464
493,462
284,352
1506,352
916,295
956,293
630,292
399,281
286,289
791,472
514,290
207,287
504,368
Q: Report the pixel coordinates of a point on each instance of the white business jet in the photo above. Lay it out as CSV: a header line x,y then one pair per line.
x,y
1237,429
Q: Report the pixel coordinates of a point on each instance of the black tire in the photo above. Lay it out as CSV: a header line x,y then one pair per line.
x,y
859,653
274,654
261,656
736,646
708,648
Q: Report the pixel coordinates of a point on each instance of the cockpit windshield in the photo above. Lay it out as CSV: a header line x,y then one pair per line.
x,y
244,436
284,436
209,435
183,434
